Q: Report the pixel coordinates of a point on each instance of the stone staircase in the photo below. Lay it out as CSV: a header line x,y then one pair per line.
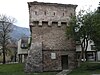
x,y
64,72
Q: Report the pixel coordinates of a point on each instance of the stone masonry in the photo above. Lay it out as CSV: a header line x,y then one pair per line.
x,y
34,59
50,45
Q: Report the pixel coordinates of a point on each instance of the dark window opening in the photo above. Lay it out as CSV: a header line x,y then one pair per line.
x,y
45,13
63,14
54,13
54,23
63,23
24,43
78,42
90,56
35,22
93,47
71,14
44,22
90,41
35,12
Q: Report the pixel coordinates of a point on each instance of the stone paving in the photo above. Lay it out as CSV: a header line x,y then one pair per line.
x,y
64,72
95,74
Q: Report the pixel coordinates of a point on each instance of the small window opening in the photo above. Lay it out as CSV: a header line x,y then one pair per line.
x,y
24,43
63,23
63,14
35,22
44,22
93,47
90,41
45,13
71,14
35,12
54,23
54,13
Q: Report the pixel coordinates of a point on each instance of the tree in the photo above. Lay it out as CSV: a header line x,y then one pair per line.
x,y
5,30
80,29
95,19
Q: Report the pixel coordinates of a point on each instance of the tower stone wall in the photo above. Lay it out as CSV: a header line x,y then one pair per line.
x,y
48,22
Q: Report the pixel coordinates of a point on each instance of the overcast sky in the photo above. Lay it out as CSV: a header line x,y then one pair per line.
x,y
19,8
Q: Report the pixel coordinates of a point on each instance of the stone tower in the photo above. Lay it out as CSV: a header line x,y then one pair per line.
x,y
50,50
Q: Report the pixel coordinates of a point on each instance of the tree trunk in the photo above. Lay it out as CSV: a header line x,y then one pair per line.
x,y
85,50
79,60
84,57
85,45
4,58
81,55
15,56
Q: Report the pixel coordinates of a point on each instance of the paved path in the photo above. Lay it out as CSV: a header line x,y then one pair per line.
x,y
95,74
64,72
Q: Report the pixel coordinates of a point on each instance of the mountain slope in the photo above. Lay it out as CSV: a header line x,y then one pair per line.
x,y
18,32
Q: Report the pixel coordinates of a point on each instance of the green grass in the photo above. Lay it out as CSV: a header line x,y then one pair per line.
x,y
87,68
17,69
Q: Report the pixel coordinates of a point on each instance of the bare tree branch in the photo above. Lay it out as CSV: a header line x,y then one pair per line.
x,y
5,30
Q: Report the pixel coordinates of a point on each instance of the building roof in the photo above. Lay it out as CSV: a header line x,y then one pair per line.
x,y
51,4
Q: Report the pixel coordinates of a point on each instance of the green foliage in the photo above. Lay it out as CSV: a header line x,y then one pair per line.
x,y
80,26
70,30
95,23
80,29
84,27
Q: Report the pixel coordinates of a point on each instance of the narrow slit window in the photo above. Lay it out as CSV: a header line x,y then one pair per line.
x,y
35,12
71,14
54,14
63,14
45,13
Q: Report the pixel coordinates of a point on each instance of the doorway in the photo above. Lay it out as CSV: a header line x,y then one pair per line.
x,y
64,61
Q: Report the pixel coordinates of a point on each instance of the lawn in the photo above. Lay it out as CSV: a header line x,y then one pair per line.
x,y
17,69
87,68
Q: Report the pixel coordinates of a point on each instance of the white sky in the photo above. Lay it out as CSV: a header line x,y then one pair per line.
x,y
19,8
